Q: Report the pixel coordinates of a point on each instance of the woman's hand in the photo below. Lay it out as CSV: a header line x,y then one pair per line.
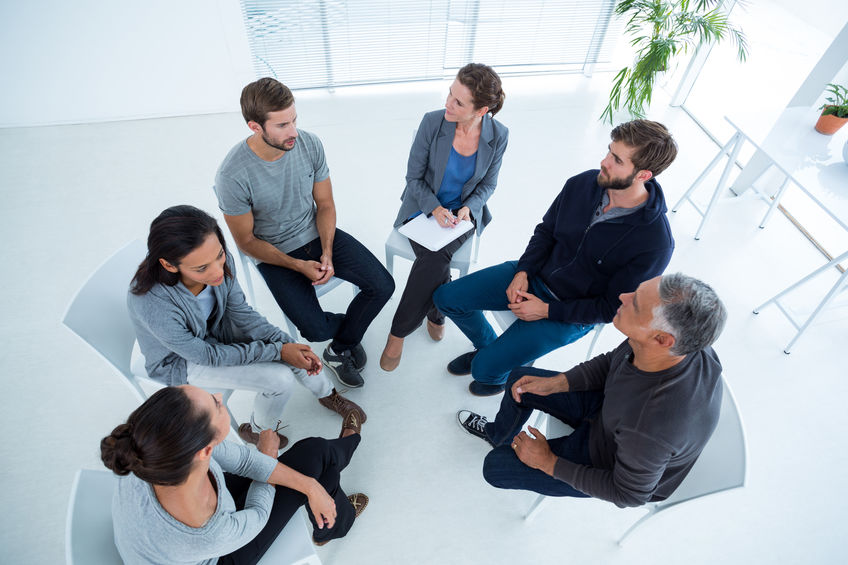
x,y
322,505
444,217
463,214
269,443
301,356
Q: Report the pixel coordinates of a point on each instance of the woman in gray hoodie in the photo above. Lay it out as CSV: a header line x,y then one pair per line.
x,y
194,326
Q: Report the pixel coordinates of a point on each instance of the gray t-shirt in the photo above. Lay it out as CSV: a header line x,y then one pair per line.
x,y
279,193
146,533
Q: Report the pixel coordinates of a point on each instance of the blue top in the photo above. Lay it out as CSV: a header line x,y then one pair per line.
x,y
459,169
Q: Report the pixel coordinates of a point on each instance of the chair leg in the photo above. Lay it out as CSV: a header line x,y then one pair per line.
x,y
534,508
598,329
651,511
390,261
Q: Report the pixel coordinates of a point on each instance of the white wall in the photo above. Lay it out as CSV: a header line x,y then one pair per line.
x,y
100,60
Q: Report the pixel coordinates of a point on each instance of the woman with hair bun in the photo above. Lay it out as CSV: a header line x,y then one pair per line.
x,y
187,497
452,171
194,326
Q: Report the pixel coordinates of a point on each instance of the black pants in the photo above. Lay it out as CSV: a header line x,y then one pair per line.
x,y
430,270
352,262
315,457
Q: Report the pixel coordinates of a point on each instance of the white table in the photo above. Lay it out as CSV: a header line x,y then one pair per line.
x,y
811,161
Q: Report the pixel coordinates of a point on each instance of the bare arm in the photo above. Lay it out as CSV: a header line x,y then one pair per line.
x,y
325,220
242,229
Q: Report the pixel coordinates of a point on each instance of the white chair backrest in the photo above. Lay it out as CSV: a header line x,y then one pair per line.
x,y
98,313
88,531
722,464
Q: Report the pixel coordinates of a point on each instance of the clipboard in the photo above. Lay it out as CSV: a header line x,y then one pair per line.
x,y
427,232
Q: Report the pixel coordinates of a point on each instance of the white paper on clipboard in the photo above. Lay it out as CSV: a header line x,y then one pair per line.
x,y
427,232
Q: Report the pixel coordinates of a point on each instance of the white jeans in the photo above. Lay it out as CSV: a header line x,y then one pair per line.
x,y
272,381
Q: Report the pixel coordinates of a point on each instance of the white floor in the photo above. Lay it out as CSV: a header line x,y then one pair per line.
x,y
73,195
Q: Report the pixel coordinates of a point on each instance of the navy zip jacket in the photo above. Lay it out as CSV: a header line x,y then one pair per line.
x,y
588,267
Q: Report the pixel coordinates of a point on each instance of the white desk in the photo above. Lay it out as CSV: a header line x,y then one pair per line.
x,y
811,161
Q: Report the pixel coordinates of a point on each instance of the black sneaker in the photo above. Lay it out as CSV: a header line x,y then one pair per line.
x,y
462,364
473,423
479,389
359,357
344,367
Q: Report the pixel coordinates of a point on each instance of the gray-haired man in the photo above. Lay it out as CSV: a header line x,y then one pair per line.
x,y
641,413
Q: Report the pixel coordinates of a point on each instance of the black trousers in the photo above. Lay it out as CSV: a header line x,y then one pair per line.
x,y
315,457
430,270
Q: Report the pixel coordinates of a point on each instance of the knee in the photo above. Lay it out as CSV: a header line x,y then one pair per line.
x,y
318,328
494,466
486,367
443,298
308,456
514,375
380,286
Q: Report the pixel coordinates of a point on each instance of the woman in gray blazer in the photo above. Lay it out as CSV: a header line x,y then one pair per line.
x,y
452,171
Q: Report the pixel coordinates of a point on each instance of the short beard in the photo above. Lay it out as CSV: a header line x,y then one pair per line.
x,y
280,147
617,184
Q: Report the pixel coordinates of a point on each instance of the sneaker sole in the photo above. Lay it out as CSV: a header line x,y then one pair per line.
x,y
338,377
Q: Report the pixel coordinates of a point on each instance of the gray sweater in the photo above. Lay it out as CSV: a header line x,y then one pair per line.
x,y
146,533
171,330
652,426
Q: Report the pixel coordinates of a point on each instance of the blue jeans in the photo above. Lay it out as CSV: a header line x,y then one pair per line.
x,y
352,262
503,469
464,301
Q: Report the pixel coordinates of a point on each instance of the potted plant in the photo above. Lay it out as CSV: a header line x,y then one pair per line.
x,y
834,110
662,29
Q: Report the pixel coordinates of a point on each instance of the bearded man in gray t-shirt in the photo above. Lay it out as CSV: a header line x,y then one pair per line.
x,y
275,192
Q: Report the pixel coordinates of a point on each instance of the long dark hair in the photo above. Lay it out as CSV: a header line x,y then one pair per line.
x,y
160,439
174,233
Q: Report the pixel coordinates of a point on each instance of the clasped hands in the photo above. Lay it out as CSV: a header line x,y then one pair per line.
x,y
318,272
301,356
524,305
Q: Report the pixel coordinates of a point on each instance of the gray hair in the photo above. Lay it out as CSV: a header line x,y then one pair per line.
x,y
689,310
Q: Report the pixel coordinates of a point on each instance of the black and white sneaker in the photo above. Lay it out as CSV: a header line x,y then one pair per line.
x,y
344,366
473,423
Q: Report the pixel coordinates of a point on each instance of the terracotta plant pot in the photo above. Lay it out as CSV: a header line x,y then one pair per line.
x,y
830,124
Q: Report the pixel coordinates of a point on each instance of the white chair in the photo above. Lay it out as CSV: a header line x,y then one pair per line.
x,y
89,539
505,318
398,245
247,267
98,315
722,465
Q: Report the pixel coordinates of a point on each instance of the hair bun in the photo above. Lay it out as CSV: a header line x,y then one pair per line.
x,y
117,451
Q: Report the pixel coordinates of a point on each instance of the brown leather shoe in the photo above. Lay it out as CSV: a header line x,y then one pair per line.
x,y
247,435
341,405
389,362
436,331
351,422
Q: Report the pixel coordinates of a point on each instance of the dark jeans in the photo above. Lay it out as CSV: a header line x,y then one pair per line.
x,y
503,469
430,270
315,457
352,262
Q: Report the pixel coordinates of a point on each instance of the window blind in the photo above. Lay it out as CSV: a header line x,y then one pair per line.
x,y
327,43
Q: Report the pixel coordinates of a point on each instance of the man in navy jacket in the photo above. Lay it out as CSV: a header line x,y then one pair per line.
x,y
605,233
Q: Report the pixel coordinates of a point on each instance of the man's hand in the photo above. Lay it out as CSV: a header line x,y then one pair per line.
x,y
463,214
540,386
444,217
519,283
528,307
301,356
311,270
269,443
322,506
326,269
534,451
